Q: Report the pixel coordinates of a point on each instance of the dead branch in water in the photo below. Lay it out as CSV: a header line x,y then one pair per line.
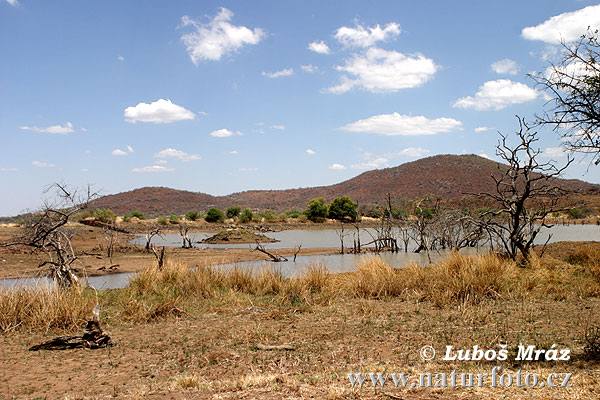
x,y
274,256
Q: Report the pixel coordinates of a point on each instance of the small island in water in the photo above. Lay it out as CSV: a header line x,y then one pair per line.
x,y
240,236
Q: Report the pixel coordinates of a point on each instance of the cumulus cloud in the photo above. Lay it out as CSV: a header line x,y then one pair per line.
x,y
13,3
360,36
381,71
118,152
280,127
319,47
496,95
154,168
371,163
234,152
121,58
310,152
178,154
279,74
412,152
505,66
402,125
482,129
40,164
130,149
309,68
54,129
159,112
221,133
83,170
553,152
217,38
485,156
568,26
336,166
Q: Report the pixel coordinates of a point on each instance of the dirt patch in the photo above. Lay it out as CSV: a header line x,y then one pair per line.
x,y
238,236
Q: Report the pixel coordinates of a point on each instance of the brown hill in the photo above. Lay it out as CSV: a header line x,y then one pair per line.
x,y
447,177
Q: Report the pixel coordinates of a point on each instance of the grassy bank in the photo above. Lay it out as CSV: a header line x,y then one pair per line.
x,y
194,333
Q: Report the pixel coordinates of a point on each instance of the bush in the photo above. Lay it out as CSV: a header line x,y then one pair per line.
x,y
105,215
193,216
342,209
136,214
293,213
246,216
215,215
174,219
269,215
233,211
317,210
577,213
162,220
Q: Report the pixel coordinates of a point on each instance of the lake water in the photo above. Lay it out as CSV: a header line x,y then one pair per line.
x,y
314,239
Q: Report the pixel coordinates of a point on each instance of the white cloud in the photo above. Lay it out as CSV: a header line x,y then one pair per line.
x,y
568,26
121,58
412,152
234,152
366,37
161,162
309,68
280,127
381,71
372,163
159,112
505,66
180,155
83,170
54,129
403,125
13,3
8,169
496,95
119,152
130,149
310,152
219,37
221,133
553,152
42,164
485,156
482,129
336,166
319,47
248,169
153,168
279,74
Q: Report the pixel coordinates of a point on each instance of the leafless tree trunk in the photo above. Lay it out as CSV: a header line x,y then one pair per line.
x,y
154,231
274,256
187,242
161,257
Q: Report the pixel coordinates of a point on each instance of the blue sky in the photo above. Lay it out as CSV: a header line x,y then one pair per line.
x,y
225,96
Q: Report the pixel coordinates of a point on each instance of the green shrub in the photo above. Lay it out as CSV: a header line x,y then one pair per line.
x,y
342,208
293,213
317,210
233,211
214,215
162,220
174,219
246,216
193,216
137,214
105,215
269,215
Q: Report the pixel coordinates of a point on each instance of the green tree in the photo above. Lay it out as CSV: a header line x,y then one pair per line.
x,y
343,208
136,214
214,215
193,216
246,216
269,215
105,215
317,210
174,219
233,211
162,220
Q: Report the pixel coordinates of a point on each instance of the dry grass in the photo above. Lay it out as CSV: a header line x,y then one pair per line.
x,y
44,308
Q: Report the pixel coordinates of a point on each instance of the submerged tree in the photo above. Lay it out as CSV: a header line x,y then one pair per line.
x,y
573,85
46,230
526,191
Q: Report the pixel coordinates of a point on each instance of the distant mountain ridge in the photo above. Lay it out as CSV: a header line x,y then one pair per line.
x,y
447,177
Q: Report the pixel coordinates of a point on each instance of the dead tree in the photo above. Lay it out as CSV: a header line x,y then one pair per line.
x,y
421,227
341,235
160,257
296,251
356,237
154,231
46,231
274,256
526,192
110,237
187,241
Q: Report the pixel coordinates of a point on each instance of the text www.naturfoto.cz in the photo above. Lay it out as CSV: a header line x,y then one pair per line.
x,y
461,379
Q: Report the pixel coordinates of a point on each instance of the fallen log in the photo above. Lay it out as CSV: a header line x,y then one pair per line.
x,y
93,337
